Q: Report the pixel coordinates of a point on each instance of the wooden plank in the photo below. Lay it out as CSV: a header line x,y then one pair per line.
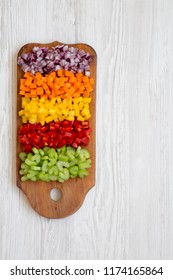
x,y
73,190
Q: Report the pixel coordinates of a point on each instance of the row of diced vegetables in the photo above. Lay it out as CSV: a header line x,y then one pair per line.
x,y
56,90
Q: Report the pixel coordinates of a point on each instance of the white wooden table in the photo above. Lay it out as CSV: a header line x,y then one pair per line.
x,y
129,214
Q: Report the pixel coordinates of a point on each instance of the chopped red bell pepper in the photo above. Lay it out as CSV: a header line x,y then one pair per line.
x,y
55,135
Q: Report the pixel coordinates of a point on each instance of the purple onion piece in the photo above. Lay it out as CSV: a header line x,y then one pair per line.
x,y
45,60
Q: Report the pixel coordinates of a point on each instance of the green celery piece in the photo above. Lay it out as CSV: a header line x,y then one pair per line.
x,y
71,149
36,158
53,170
70,154
45,166
30,155
56,155
51,152
33,179
60,180
62,164
52,162
85,164
65,174
53,177
46,149
78,150
84,154
73,175
41,152
36,168
74,162
58,150
83,173
23,156
63,158
43,177
30,162
35,151
31,174
73,170
24,166
22,172
63,150
24,178
45,157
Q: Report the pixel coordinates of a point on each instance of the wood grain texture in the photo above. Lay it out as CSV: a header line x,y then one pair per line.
x,y
73,191
128,215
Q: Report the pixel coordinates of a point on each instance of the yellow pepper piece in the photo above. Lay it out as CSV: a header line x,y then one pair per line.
x,y
43,110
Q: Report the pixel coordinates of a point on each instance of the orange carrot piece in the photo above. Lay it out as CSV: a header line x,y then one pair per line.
x,y
79,75
60,73
91,81
22,92
27,74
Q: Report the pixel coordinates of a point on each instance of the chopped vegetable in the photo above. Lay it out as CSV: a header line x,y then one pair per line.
x,y
49,164
46,60
62,83
41,110
55,135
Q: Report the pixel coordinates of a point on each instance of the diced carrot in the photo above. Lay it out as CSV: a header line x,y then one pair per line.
x,y
62,83
22,92
27,74
60,73
91,81
38,75
39,82
33,92
72,80
89,88
45,86
48,92
53,75
40,91
85,79
78,75
33,85
68,73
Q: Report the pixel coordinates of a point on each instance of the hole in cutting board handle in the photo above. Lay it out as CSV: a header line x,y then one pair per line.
x,y
55,194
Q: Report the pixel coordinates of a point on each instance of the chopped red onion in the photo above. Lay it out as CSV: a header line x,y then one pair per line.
x,y
46,60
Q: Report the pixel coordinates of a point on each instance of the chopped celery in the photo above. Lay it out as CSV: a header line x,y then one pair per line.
x,y
35,151
78,151
63,158
30,162
45,166
36,168
46,149
73,170
24,166
48,164
84,165
23,156
74,162
65,174
53,177
62,164
22,172
52,162
70,154
53,170
83,173
41,152
24,178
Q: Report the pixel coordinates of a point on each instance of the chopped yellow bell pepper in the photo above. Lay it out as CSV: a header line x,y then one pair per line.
x,y
41,110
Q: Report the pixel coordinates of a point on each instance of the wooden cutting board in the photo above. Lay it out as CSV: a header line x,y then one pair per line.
x,y
73,191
